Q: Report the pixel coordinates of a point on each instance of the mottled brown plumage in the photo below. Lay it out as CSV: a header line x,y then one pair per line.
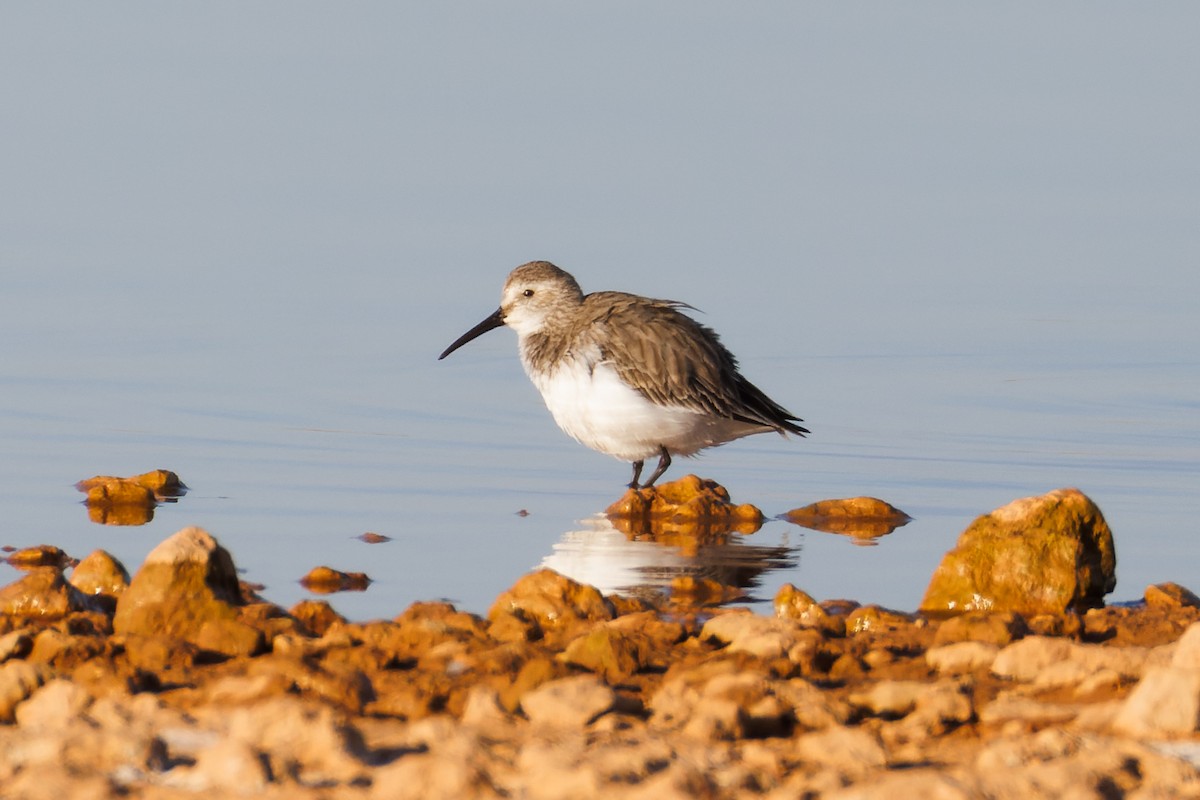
x,y
627,375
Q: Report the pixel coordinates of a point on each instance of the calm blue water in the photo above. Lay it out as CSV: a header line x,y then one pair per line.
x,y
961,243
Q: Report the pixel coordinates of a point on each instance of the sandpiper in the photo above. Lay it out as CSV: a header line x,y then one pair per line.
x,y
629,376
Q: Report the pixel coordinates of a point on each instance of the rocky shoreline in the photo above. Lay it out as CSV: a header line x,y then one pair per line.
x,y
182,682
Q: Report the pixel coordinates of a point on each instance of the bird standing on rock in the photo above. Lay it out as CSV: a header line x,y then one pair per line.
x,y
627,375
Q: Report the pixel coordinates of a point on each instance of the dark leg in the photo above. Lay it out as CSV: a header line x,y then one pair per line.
x,y
637,473
664,461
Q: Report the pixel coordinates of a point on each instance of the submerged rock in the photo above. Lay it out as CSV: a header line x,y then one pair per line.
x,y
326,580
690,506
1037,555
862,518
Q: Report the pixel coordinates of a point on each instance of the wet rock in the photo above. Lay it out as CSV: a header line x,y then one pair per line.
x,y
100,574
796,605
44,555
863,518
42,593
690,506
547,602
1170,595
326,580
161,482
568,702
1036,555
187,588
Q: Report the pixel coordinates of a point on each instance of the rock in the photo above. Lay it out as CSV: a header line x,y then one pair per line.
x,y
326,580
42,593
100,574
798,606
999,628
874,618
1037,555
568,702
851,751
311,743
45,555
1166,702
961,657
610,652
1033,713
549,602
53,707
224,768
749,633
1170,595
16,644
161,482
1038,658
316,615
860,517
690,506
187,588
889,698
18,679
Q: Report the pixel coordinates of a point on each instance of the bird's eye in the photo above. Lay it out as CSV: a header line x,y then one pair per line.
x,y
528,292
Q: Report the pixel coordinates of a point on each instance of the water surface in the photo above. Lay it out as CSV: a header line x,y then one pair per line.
x,y
961,243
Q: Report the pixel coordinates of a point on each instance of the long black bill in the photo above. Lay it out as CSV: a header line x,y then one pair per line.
x,y
494,321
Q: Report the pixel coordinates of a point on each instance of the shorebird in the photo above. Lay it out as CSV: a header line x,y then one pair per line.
x,y
627,375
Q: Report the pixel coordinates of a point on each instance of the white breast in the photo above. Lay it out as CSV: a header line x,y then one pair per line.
x,y
592,404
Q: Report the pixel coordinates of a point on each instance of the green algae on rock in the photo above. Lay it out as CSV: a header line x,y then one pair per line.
x,y
1037,555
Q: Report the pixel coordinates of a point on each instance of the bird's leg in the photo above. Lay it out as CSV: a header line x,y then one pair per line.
x,y
637,473
664,461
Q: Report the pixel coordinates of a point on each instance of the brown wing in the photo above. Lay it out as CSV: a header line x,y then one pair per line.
x,y
675,361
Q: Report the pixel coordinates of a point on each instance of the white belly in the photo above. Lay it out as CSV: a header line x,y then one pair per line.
x,y
599,410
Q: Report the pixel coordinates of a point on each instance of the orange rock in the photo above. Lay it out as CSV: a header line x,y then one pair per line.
x,y
859,517
316,615
161,482
1170,595
549,602
129,501
326,580
43,594
188,588
1038,555
44,555
688,507
100,573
